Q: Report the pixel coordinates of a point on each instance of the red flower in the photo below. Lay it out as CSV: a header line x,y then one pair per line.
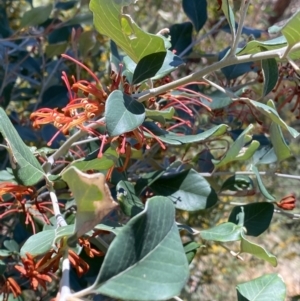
x,y
33,271
91,252
287,203
9,286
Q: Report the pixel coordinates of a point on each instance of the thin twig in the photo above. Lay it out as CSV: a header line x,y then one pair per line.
x,y
228,61
243,12
250,173
65,279
60,221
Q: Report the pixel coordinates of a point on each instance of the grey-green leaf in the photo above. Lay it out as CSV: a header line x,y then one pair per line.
x,y
26,167
224,232
121,28
146,261
188,190
36,16
270,71
261,185
267,287
256,250
122,113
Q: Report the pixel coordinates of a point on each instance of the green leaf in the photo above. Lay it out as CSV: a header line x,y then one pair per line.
x,y
266,287
109,226
261,185
64,231
109,20
272,114
87,42
130,204
188,190
219,100
146,261
171,62
290,29
257,217
224,232
174,139
108,160
281,148
238,183
190,249
122,113
92,197
146,180
39,243
196,11
56,49
270,72
148,66
3,266
5,253
258,251
36,16
26,167
228,12
42,242
258,46
160,115
264,155
11,245
237,151
6,176
84,18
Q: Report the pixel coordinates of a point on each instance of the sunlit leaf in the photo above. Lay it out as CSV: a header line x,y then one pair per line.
x,y
237,150
259,46
266,287
108,159
258,251
92,197
224,232
109,20
290,29
39,243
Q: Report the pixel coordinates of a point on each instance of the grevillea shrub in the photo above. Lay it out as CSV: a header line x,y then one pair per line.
x,y
114,139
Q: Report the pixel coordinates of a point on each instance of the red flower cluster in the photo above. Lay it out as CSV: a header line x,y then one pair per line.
x,y
18,203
